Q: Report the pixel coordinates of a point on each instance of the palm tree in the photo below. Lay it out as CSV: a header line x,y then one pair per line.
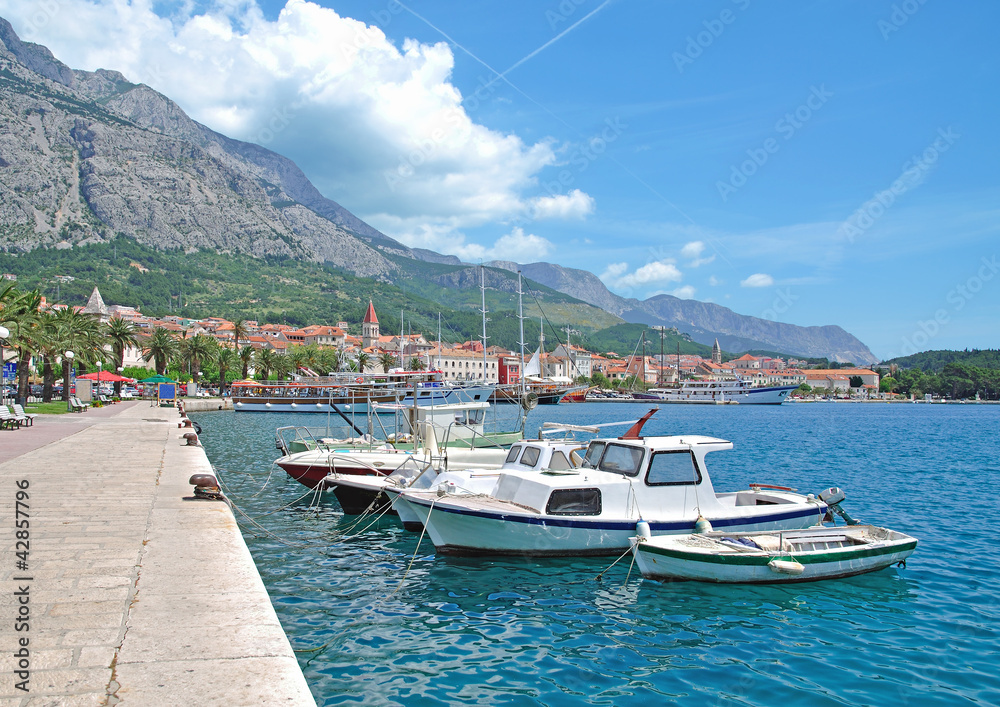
x,y
282,366
246,358
386,360
264,362
362,361
123,334
240,332
197,349
160,348
225,359
81,334
416,364
19,313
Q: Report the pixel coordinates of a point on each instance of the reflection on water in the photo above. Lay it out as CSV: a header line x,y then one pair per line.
x,y
376,620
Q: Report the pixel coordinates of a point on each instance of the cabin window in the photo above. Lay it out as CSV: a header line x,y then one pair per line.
x,y
574,502
512,454
559,461
593,456
530,456
621,459
673,469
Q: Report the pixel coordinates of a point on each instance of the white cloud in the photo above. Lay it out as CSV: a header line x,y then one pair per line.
x,y
613,272
757,280
692,249
714,281
650,274
574,205
379,128
684,292
520,247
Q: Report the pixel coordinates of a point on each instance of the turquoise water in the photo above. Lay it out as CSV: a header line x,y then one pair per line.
x,y
547,632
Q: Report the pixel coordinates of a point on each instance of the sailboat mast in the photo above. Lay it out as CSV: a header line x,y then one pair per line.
x,y
659,370
439,342
520,321
644,357
401,340
482,286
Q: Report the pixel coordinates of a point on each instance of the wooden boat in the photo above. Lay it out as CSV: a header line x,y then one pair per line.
x,y
810,554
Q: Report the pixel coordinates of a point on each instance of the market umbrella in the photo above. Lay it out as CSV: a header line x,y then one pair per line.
x,y
106,377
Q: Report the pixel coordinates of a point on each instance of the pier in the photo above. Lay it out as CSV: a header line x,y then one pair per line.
x,y
126,589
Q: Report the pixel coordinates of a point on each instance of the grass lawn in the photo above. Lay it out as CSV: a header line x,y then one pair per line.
x,y
56,407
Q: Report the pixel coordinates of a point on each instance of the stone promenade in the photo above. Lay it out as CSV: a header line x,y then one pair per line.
x,y
125,589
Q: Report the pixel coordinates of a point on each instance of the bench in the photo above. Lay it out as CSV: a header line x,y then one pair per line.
x,y
19,412
8,420
76,406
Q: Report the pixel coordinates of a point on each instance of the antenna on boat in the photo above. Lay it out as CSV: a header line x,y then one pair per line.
x,y
635,430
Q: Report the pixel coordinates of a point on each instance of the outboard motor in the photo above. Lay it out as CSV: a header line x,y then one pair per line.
x,y
832,497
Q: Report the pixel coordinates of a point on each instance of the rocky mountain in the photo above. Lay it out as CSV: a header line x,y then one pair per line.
x,y
704,321
86,155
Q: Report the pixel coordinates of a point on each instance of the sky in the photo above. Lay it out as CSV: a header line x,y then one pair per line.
x,y
806,162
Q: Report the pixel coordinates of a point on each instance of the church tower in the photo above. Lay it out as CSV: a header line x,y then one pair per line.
x,y
369,327
717,353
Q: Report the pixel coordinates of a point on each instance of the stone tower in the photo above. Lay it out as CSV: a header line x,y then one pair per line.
x,y
369,327
716,353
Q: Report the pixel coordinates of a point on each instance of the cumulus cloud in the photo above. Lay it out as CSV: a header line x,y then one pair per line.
x,y
616,275
574,205
379,128
694,250
757,280
684,292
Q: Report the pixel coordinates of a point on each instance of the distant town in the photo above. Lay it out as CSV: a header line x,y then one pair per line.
x,y
363,347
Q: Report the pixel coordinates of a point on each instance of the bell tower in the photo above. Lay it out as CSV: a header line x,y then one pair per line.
x,y
369,327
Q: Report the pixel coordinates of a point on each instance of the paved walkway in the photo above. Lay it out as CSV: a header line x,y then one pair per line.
x,y
133,593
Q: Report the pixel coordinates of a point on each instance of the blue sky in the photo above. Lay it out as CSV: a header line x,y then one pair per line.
x,y
809,162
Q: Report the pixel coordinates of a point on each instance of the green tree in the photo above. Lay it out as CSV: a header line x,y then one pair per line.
x,y
122,334
600,380
246,358
416,364
160,348
361,362
857,382
264,362
225,359
888,385
386,360
282,366
241,331
81,334
195,350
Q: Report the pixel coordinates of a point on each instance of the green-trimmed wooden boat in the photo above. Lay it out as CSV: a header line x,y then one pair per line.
x,y
820,552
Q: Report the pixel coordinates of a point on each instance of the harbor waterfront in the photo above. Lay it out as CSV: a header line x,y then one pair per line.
x,y
376,619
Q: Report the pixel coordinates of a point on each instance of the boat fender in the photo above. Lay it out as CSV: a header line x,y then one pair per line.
x,y
642,530
702,525
446,488
786,567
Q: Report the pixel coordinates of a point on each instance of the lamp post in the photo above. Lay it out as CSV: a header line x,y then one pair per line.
x,y
93,396
68,356
118,383
4,333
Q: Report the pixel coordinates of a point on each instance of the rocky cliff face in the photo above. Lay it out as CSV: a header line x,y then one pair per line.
x,y
85,155
704,321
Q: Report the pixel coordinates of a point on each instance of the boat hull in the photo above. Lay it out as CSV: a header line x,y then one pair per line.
x,y
668,561
775,395
462,529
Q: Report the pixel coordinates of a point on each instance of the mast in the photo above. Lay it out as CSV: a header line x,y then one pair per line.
x,y
659,370
643,357
482,287
678,363
439,342
520,321
401,340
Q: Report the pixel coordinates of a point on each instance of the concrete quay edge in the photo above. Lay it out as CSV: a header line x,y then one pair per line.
x,y
138,594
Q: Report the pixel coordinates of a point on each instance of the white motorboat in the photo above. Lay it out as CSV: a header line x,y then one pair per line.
x,y
758,558
718,392
593,510
452,436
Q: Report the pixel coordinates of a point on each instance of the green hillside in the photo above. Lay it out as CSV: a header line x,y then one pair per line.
x,y
935,361
280,290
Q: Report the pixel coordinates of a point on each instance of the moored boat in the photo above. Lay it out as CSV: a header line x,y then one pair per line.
x,y
770,557
593,510
718,392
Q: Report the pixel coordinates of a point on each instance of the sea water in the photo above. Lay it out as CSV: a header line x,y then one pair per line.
x,y
376,619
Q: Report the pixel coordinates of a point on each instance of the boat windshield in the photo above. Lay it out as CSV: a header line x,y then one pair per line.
x,y
615,458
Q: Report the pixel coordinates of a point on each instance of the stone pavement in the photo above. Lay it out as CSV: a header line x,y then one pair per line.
x,y
130,592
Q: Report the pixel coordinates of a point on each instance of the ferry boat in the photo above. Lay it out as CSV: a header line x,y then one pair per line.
x,y
355,393
718,392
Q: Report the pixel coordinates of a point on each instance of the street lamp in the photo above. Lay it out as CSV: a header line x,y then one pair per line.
x,y
93,396
118,383
68,355
4,333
